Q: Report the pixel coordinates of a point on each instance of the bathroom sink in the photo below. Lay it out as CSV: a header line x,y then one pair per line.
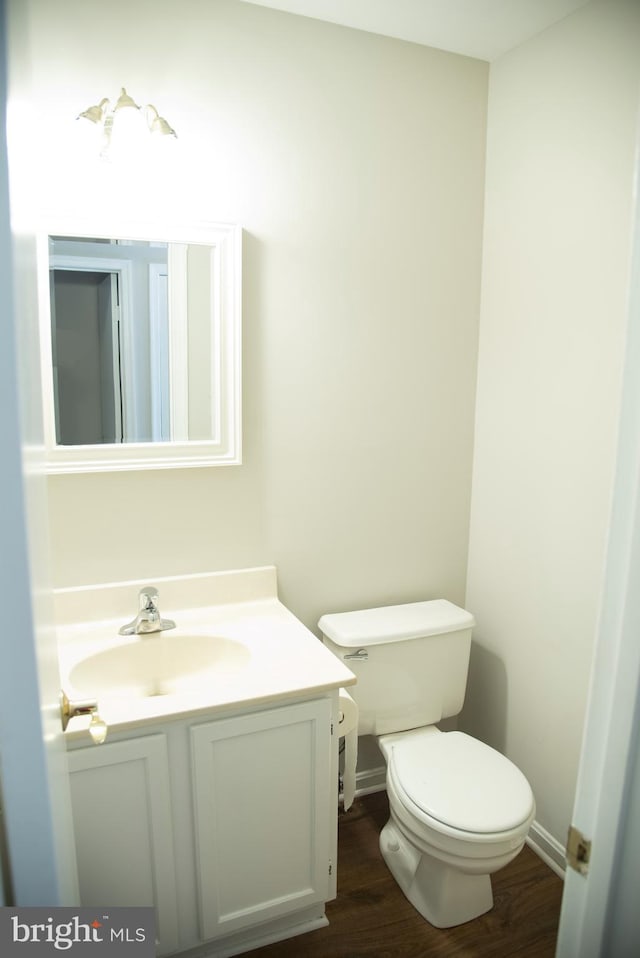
x,y
161,663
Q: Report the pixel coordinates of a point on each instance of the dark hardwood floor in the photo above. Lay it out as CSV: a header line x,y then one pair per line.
x,y
371,917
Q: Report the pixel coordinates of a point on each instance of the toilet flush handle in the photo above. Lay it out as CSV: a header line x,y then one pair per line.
x,y
362,655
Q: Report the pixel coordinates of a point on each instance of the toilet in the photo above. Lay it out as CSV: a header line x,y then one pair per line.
x,y
459,810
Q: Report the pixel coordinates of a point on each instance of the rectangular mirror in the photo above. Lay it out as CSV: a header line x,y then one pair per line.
x,y
140,345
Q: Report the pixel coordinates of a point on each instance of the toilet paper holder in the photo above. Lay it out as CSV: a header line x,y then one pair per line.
x,y
348,730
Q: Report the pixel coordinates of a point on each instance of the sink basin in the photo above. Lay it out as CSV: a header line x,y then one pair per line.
x,y
158,664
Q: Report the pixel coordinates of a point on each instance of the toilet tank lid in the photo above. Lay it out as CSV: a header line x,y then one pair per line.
x,y
394,623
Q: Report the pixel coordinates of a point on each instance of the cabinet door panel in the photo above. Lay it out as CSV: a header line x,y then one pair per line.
x,y
261,793
123,829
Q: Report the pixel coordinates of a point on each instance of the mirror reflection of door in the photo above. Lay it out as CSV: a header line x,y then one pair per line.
x,y
87,356
110,341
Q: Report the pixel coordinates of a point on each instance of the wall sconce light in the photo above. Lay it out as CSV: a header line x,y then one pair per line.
x,y
126,121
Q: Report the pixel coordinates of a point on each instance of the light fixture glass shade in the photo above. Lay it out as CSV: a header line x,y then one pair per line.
x,y
124,101
95,113
157,123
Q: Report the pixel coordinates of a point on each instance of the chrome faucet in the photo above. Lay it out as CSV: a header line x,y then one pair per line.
x,y
148,618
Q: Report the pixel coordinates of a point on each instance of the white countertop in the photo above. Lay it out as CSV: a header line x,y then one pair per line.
x,y
281,659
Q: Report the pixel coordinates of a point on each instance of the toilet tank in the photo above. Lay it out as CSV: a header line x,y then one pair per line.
x,y
411,662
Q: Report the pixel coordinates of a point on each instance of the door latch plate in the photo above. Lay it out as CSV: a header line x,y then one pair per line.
x,y
578,851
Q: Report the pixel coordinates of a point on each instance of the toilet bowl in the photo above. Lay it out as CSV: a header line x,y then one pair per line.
x,y
459,810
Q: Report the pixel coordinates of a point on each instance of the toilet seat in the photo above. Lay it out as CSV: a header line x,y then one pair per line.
x,y
451,781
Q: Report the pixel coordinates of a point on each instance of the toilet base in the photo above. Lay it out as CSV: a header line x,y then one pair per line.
x,y
443,895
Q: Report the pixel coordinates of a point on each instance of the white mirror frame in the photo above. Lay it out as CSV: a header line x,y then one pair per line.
x,y
224,448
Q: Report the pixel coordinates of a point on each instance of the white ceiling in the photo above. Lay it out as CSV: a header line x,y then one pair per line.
x,y
476,28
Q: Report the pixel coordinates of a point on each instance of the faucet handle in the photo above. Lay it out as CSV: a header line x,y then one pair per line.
x,y
147,598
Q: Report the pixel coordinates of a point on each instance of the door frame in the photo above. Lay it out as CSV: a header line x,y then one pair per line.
x,y
121,320
597,904
35,794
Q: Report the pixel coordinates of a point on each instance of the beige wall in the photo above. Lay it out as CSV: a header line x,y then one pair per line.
x,y
355,165
562,127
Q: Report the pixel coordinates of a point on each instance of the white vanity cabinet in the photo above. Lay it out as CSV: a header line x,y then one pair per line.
x,y
123,824
262,790
226,824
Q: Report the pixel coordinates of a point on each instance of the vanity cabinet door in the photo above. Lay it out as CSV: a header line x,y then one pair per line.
x,y
262,812
123,829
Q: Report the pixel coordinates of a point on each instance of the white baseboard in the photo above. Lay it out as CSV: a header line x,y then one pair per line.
x,y
547,848
369,781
